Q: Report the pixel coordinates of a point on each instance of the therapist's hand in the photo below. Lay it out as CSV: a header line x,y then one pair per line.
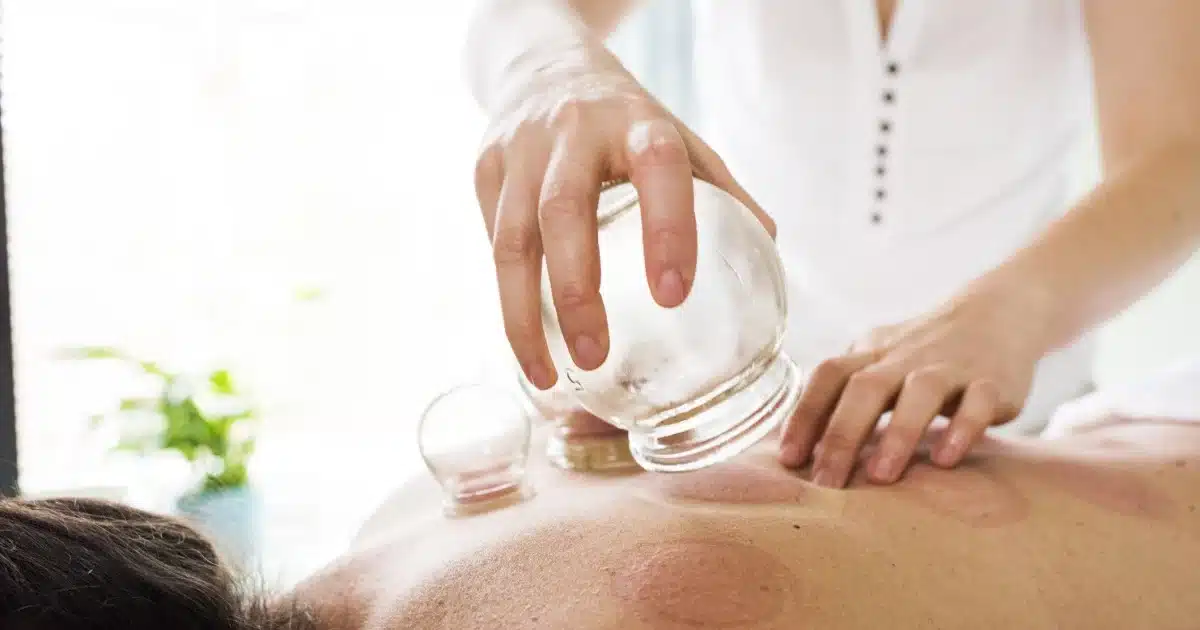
x,y
971,361
564,131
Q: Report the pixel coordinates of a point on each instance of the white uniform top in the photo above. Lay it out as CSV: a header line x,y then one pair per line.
x,y
898,171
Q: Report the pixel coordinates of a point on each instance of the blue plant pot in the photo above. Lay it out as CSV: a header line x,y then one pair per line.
x,y
231,519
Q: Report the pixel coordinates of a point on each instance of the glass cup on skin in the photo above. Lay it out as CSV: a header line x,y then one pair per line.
x,y
474,438
696,384
578,440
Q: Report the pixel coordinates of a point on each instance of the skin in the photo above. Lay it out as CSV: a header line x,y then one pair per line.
x,y
1097,530
569,117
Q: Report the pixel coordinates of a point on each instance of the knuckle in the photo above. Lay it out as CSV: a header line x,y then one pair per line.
x,y
517,138
562,205
1003,413
571,114
987,389
870,382
929,379
574,293
829,369
664,237
656,143
991,407
514,245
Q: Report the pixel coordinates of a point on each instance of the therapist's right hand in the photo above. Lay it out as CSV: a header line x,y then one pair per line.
x,y
548,149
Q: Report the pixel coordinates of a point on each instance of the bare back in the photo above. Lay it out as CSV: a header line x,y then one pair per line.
x,y
1098,531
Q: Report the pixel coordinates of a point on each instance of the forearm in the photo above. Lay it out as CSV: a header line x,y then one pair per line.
x,y
510,42
1121,241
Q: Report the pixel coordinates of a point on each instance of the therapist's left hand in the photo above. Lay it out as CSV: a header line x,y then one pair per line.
x,y
971,361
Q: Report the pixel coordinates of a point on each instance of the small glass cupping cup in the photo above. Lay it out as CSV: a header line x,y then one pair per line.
x,y
475,440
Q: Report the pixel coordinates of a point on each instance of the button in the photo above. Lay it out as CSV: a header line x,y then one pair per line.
x,y
889,96
876,218
893,68
881,150
881,194
880,171
885,126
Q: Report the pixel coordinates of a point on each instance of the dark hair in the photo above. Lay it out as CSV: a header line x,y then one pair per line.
x,y
80,564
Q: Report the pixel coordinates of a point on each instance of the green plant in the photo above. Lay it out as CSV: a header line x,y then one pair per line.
x,y
206,419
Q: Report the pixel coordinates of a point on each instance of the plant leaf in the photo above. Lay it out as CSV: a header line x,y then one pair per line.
x,y
187,430
152,368
231,475
222,382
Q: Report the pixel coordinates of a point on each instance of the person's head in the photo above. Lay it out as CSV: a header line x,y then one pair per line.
x,y
78,564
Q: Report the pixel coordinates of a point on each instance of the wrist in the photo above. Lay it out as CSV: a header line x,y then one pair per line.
x,y
555,69
1023,300
510,44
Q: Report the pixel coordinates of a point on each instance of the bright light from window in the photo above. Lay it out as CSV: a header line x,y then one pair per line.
x,y
182,172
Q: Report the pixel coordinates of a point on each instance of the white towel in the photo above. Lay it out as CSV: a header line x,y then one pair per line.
x,y
1170,393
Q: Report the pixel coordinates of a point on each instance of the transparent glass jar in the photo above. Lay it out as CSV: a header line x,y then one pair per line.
x,y
577,440
474,439
699,383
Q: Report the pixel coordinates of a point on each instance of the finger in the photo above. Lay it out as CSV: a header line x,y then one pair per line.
x,y
816,402
924,394
711,168
489,176
980,407
868,393
661,171
517,251
567,217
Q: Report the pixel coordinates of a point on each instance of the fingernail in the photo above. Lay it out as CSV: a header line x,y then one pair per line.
x,y
886,465
953,449
588,352
538,375
670,287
